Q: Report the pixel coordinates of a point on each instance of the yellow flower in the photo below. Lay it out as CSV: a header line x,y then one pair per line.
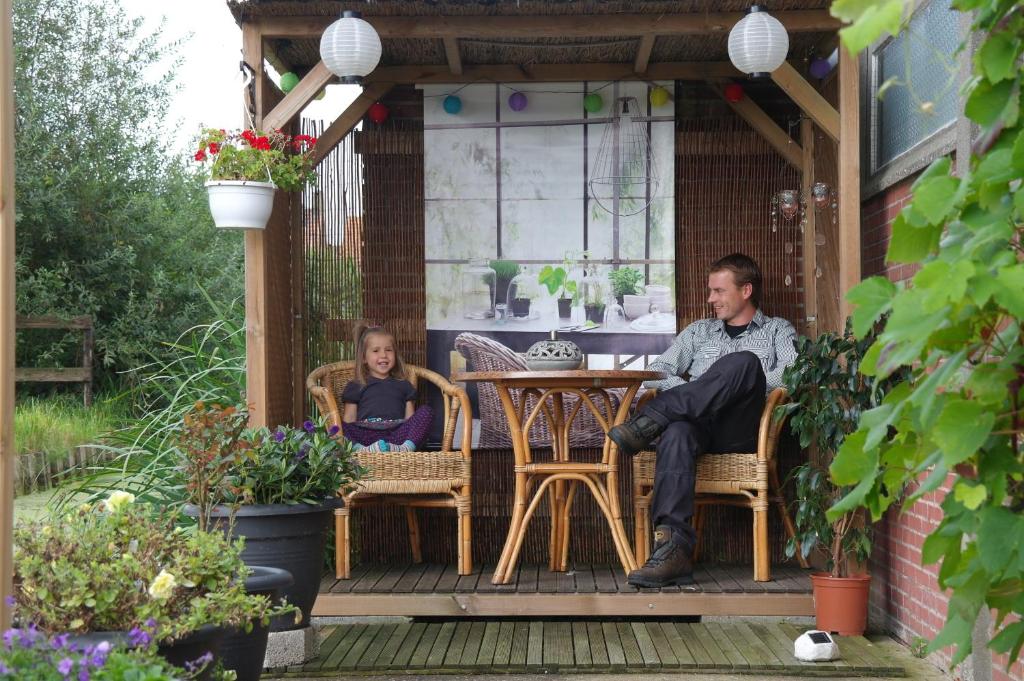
x,y
163,586
118,500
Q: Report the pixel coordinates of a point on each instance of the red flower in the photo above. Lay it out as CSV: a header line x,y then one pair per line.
x,y
214,148
249,136
262,143
200,155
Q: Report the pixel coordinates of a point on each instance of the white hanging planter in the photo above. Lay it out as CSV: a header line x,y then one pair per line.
x,y
240,204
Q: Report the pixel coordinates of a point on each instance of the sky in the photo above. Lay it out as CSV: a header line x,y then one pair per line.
x,y
210,82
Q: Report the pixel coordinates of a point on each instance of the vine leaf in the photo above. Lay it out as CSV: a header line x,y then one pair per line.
x,y
961,429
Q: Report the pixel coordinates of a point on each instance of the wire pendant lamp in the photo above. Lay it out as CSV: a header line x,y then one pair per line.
x,y
625,178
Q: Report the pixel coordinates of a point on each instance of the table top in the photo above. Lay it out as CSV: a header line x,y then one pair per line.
x,y
578,378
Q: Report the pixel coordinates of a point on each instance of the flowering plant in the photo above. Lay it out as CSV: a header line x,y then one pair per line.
x,y
29,655
258,156
116,565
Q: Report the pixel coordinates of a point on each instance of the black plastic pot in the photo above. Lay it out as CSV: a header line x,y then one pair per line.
x,y
185,651
520,307
594,312
564,308
244,652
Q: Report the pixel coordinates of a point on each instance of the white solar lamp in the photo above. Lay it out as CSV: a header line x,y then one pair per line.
x,y
758,43
815,646
350,48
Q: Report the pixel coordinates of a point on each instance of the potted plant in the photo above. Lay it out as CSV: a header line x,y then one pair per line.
x,y
556,280
504,272
277,488
624,282
246,167
117,566
828,395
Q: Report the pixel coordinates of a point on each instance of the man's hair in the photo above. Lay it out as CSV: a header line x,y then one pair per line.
x,y
744,271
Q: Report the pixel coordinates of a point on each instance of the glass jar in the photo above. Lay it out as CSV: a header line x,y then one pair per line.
x,y
523,296
615,316
478,284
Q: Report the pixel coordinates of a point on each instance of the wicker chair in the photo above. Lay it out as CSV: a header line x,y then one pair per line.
x,y
411,479
484,354
747,479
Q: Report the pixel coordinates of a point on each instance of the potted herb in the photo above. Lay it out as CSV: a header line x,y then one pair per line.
x,y
828,395
624,282
246,167
504,272
557,282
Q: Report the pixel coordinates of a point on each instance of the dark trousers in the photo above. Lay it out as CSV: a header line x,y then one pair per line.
x,y
718,412
414,428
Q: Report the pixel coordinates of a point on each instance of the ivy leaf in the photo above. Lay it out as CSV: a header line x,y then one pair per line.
x,y
871,20
911,244
934,198
971,496
873,298
987,102
962,427
998,55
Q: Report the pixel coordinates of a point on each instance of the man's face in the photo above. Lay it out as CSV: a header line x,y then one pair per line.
x,y
728,299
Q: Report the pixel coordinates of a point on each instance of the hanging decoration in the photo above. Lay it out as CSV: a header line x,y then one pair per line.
x,y
517,101
659,96
820,68
758,43
791,203
823,197
288,81
350,48
788,204
593,102
378,113
625,176
733,92
452,104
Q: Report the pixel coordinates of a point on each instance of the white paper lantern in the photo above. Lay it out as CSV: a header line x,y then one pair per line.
x,y
350,48
758,43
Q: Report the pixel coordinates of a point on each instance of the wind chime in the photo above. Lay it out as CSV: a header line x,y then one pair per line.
x,y
790,203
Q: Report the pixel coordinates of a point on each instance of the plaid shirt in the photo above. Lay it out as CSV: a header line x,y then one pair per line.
x,y
704,341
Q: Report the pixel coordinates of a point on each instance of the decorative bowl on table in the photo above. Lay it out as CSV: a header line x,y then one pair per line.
x,y
554,354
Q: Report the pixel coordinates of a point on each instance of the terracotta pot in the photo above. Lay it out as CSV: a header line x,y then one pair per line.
x,y
841,603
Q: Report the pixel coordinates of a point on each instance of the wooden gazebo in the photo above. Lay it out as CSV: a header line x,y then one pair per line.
x,y
788,128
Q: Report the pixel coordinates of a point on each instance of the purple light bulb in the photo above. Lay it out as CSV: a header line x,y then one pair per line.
x,y
517,101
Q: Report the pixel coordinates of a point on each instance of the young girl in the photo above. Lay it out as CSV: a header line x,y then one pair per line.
x,y
380,411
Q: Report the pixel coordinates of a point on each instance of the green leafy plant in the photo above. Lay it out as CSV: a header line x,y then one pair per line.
x,y
624,281
118,565
212,442
957,329
262,157
504,272
556,280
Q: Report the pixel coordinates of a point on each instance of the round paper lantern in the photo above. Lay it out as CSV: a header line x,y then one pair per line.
x,y
659,96
452,104
758,43
733,92
517,101
378,113
289,81
350,48
820,68
593,102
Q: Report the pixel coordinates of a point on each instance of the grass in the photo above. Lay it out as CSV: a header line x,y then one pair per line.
x,y
59,424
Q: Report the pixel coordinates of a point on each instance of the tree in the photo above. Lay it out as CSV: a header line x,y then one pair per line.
x,y
109,222
957,328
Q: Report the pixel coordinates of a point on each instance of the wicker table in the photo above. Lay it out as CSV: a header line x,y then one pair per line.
x,y
561,476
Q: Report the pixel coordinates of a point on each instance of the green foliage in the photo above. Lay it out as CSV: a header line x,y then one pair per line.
x,y
262,157
108,216
957,329
624,281
504,269
59,424
556,280
33,656
116,565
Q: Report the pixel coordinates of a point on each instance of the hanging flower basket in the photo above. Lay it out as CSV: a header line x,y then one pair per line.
x,y
240,204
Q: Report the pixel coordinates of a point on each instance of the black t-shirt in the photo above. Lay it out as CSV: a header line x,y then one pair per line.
x,y
735,331
379,398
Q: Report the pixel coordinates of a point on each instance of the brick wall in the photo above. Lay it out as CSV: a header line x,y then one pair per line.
x,y
905,597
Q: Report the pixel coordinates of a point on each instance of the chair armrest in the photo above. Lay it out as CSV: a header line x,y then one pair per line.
x,y
768,432
323,397
455,400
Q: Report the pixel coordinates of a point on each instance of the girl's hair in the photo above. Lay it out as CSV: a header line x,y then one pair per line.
x,y
362,333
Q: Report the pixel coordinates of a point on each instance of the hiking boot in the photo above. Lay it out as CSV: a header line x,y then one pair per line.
x,y
670,563
635,434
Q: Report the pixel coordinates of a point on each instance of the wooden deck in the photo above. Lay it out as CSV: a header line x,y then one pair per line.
x,y
462,647
436,590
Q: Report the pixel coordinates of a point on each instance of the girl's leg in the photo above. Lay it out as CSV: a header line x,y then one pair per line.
x,y
414,428
360,435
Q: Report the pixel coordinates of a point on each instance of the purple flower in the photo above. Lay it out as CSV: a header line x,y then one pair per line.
x,y
83,674
59,641
303,451
309,426
10,637
199,663
4,669
99,654
10,601
279,436
150,624
139,638
65,665
333,430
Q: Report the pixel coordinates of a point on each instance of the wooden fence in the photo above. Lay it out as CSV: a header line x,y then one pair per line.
x,y
39,471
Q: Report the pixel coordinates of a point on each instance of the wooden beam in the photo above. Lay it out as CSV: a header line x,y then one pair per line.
x,y
766,127
807,98
643,53
849,178
551,73
451,51
348,119
810,248
546,26
296,100
7,452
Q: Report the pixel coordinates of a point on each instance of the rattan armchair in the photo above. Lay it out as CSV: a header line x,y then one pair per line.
x,y
747,479
412,479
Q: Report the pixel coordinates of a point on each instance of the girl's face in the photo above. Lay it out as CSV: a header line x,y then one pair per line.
x,y
380,355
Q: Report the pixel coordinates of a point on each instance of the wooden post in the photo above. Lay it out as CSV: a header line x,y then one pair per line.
x,y
7,452
849,178
810,249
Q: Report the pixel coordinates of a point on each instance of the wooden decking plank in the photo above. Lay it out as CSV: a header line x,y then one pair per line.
x,y
425,646
405,652
604,579
648,651
353,634
702,658
547,581
449,578
369,579
724,580
527,583
520,645
466,584
779,644
458,643
565,582
331,642
535,646
850,654
485,658
667,657
718,658
503,646
793,578
616,655
558,645
326,582
581,645
684,658
621,585
428,580
344,586
725,639
439,649
744,576
630,648
369,658
585,583
412,576
387,582
472,650
598,647
871,654
485,585
708,584
756,649
360,645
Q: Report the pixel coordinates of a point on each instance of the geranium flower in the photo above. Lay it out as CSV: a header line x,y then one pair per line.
x,y
200,155
214,148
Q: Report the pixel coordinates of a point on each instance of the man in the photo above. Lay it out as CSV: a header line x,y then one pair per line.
x,y
733,362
